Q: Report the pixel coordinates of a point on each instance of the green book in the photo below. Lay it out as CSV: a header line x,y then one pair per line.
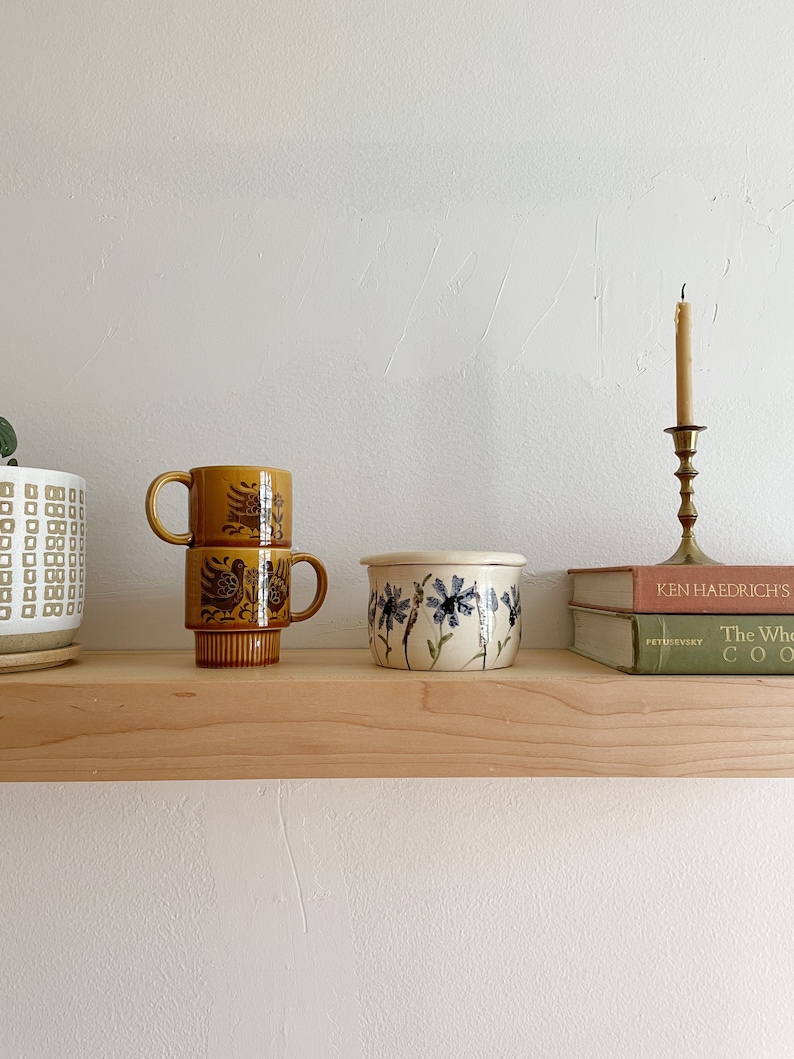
x,y
686,643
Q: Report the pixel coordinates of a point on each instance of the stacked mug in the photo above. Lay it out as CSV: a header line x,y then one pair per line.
x,y
238,562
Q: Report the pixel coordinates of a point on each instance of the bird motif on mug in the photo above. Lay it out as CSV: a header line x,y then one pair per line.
x,y
277,585
222,588
248,508
253,511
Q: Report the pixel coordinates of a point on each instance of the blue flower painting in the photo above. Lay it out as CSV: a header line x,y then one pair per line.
x,y
440,607
513,607
450,604
392,608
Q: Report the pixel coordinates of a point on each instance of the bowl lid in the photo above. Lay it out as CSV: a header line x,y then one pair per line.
x,y
445,559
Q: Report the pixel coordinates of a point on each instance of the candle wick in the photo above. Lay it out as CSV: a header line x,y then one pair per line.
x,y
682,292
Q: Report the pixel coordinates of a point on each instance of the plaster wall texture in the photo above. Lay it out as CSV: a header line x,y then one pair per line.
x,y
426,256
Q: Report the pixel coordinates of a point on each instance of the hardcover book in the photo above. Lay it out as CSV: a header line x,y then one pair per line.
x,y
686,589
686,643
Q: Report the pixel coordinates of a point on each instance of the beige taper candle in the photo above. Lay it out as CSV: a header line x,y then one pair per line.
x,y
683,362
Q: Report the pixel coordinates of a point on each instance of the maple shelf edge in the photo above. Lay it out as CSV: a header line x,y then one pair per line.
x,y
333,713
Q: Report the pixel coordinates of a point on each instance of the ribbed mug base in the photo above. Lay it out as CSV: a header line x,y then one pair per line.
x,y
237,650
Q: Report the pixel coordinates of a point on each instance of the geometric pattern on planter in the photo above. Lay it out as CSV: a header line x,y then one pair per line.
x,y
50,521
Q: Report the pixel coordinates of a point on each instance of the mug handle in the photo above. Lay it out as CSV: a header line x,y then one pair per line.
x,y
151,506
322,585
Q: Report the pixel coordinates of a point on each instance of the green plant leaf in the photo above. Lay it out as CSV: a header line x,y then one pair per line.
x,y
431,648
8,439
383,639
443,640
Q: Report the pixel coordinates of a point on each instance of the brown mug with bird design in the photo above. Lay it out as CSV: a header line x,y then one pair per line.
x,y
229,505
237,601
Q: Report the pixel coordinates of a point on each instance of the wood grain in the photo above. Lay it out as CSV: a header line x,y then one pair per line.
x,y
150,716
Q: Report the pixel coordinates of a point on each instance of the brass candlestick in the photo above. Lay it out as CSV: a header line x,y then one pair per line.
x,y
688,553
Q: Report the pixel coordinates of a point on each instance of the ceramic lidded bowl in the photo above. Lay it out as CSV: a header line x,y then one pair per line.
x,y
446,611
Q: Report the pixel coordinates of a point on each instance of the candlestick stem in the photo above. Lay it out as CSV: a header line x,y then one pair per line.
x,y
689,553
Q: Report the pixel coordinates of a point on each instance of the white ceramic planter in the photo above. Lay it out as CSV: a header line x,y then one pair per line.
x,y
444,610
42,558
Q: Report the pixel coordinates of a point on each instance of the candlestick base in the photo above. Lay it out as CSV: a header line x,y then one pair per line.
x,y
688,552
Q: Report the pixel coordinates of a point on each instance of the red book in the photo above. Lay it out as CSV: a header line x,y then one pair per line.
x,y
686,589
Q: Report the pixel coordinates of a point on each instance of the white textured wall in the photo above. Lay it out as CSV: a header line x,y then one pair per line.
x,y
426,256
505,919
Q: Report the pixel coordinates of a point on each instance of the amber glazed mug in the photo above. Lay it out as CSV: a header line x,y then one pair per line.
x,y
248,506
237,601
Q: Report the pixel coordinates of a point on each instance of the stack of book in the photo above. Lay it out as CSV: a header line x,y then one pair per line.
x,y
686,619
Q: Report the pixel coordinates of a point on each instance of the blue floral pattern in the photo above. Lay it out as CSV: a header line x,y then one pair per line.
x,y
445,610
515,607
392,608
451,603
446,606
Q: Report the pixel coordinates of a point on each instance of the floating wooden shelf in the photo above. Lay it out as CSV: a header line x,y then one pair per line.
x,y
155,716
